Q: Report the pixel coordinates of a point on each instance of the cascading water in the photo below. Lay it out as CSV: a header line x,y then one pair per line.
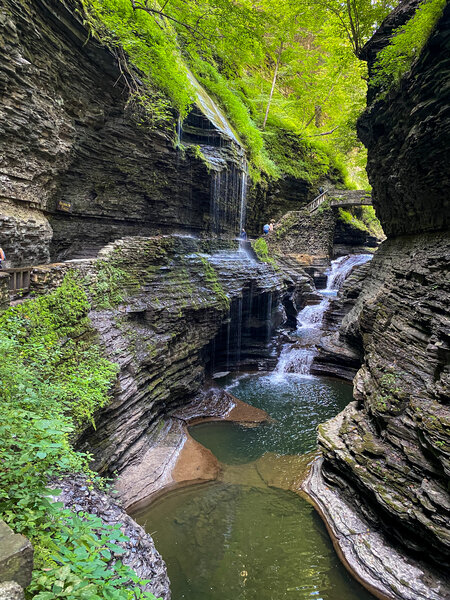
x,y
298,358
341,268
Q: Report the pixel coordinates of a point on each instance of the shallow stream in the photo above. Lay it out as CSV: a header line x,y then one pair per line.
x,y
248,536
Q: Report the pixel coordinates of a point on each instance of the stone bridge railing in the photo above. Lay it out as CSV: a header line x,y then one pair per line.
x,y
341,199
19,282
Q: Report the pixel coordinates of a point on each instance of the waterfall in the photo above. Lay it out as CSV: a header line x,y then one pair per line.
x,y
228,195
298,358
294,359
311,317
243,205
179,132
341,268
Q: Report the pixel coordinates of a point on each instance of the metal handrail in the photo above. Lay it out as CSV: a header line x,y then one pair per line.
x,y
19,279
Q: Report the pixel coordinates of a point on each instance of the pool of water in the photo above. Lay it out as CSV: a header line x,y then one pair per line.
x,y
242,538
296,404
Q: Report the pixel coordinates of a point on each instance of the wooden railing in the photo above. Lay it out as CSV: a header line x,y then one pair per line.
x,y
314,205
19,279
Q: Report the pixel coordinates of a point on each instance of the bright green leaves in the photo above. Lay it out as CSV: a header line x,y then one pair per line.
x,y
50,361
290,60
52,379
87,563
396,58
151,45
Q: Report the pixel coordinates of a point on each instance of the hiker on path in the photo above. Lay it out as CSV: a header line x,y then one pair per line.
x,y
2,257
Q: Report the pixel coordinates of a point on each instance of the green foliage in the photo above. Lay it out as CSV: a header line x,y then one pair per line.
x,y
53,379
238,114
85,547
262,252
396,58
50,340
365,220
110,285
152,47
291,60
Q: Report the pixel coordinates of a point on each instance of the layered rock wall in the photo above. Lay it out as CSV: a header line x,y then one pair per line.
x,y
79,165
158,303
386,457
406,134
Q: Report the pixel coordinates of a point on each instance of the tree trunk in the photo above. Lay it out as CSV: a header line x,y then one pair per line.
x,y
274,80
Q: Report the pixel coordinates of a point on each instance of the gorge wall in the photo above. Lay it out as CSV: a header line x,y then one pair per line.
x,y
80,165
168,310
387,455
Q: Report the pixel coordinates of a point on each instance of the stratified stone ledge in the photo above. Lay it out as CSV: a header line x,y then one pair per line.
x,y
368,554
174,459
16,557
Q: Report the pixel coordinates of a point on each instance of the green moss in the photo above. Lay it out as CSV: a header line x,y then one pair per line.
x,y
394,60
286,224
240,118
301,158
214,284
362,218
110,284
262,252
153,49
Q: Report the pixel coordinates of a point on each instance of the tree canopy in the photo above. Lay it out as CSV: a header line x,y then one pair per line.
x,y
271,64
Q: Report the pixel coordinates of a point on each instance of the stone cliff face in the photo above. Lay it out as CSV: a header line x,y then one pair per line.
x,y
388,454
79,168
407,134
164,310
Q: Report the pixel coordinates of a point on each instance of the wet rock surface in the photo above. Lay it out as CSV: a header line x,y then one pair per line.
x,y
79,165
161,333
369,551
16,557
339,354
407,136
140,552
395,445
175,459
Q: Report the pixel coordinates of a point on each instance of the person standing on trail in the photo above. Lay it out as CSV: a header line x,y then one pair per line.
x,y
243,235
271,226
2,257
321,190
266,228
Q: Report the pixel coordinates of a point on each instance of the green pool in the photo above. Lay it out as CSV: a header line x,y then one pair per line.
x,y
242,538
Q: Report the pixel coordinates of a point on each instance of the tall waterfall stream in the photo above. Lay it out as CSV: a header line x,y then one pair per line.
x,y
247,536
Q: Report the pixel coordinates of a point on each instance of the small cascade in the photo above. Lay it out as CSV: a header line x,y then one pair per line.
x,y
341,268
294,359
179,132
243,193
311,317
298,358
228,197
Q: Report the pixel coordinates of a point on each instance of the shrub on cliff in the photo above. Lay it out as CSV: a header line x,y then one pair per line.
x,y
395,59
52,380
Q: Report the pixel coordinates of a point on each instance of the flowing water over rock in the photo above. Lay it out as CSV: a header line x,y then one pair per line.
x,y
298,358
244,537
341,268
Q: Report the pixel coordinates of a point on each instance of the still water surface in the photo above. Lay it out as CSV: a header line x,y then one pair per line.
x,y
240,538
